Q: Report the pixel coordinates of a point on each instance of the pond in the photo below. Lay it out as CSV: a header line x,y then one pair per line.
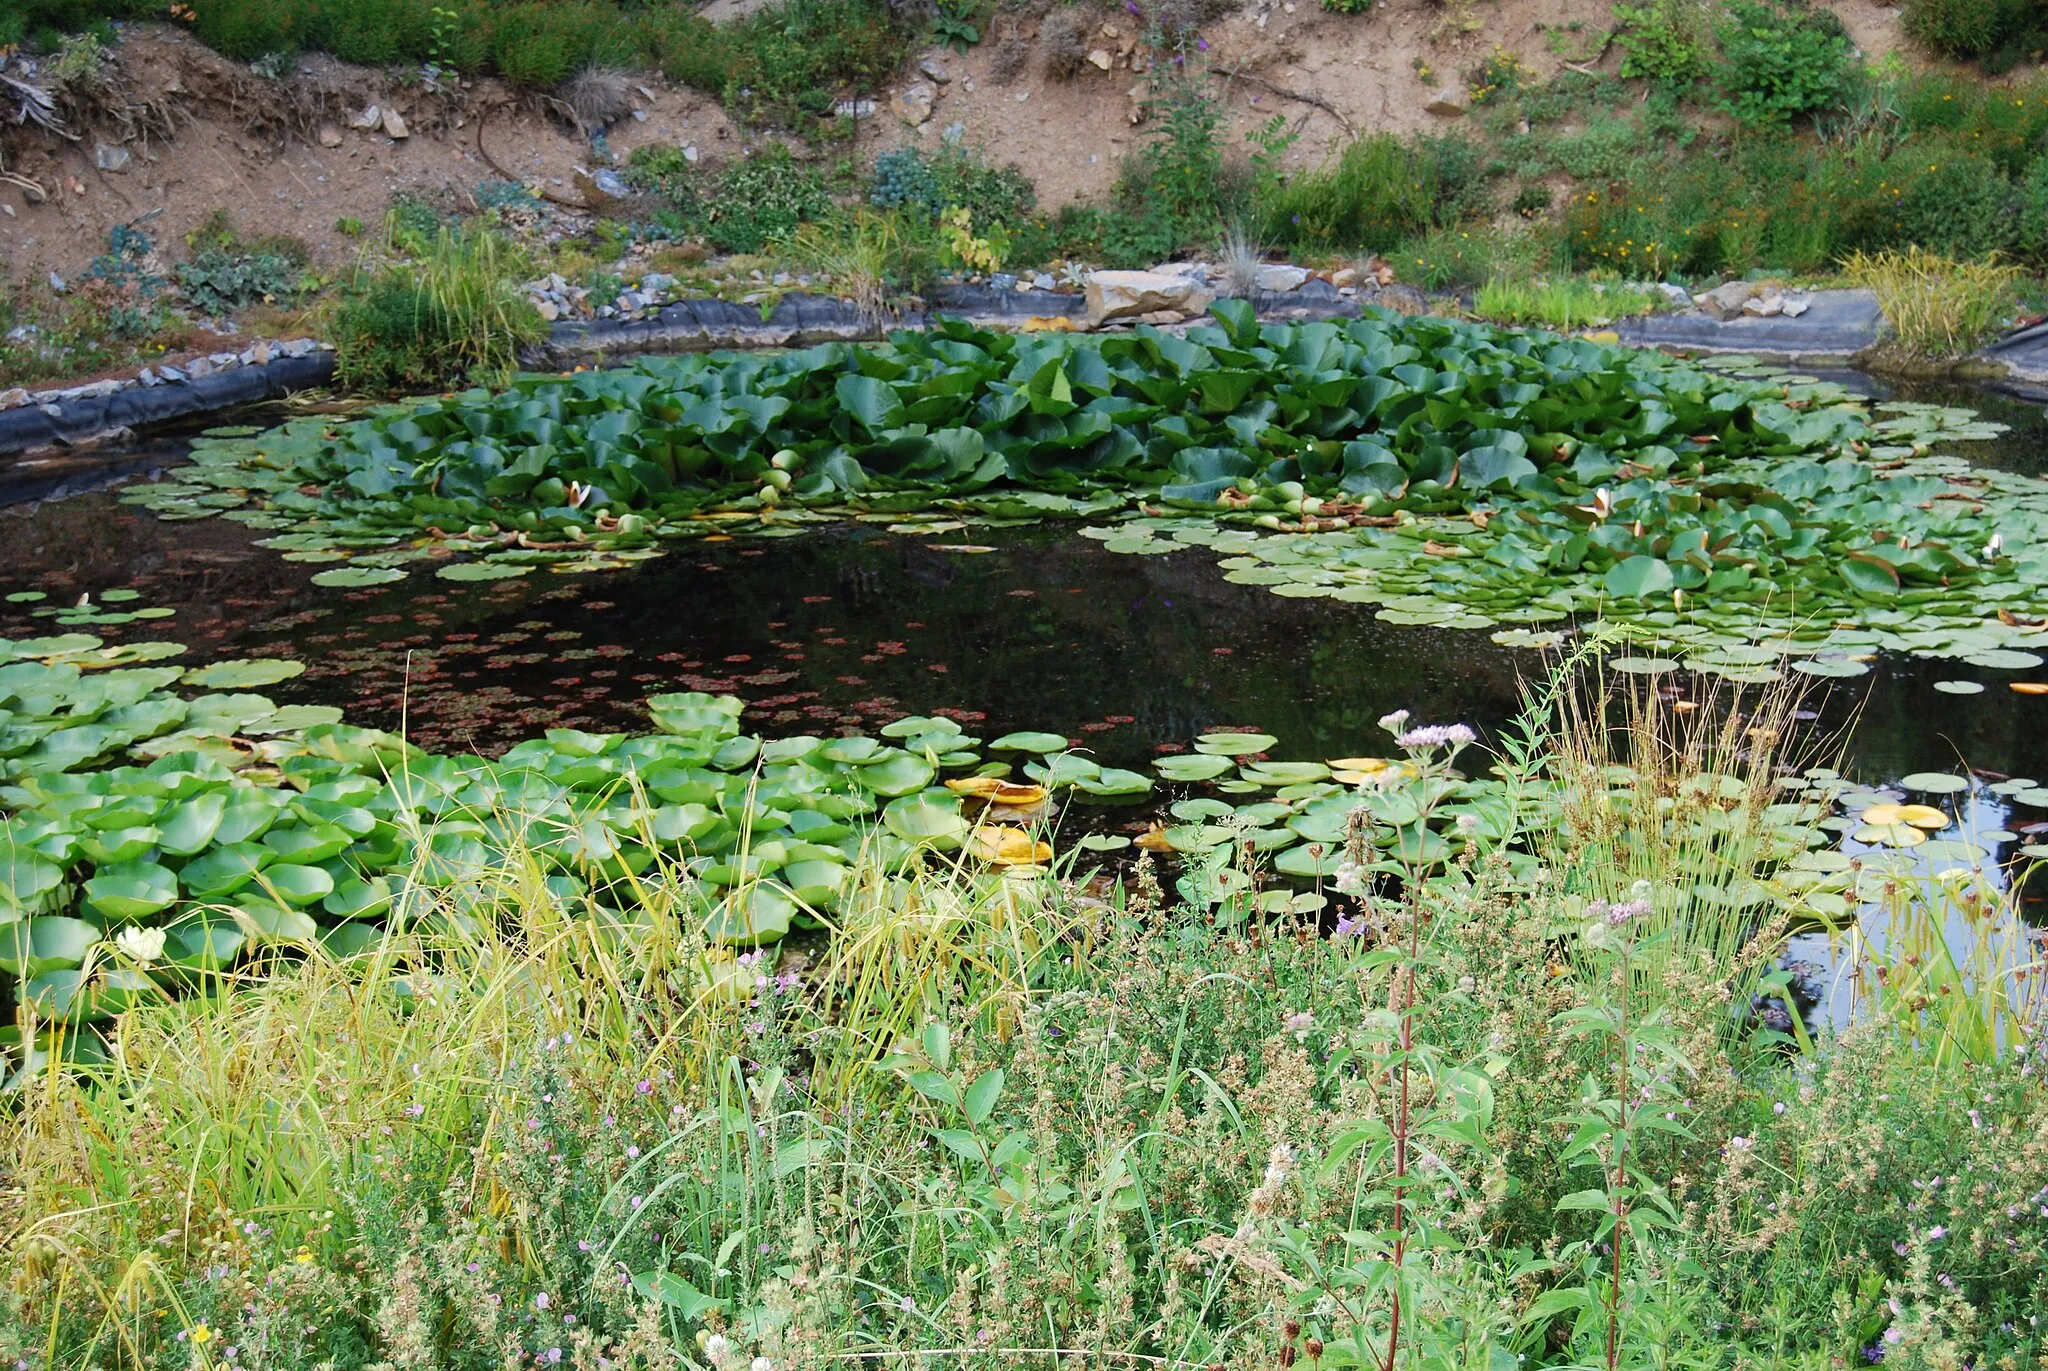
x,y
849,625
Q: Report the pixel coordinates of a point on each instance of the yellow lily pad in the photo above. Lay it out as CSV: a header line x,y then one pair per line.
x,y
1924,816
1890,835
1007,845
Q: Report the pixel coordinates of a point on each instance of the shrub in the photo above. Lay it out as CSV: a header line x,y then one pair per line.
x,y
1966,28
797,61
905,179
1066,51
1939,308
1663,41
227,273
1379,191
453,311
1781,60
762,200
1953,202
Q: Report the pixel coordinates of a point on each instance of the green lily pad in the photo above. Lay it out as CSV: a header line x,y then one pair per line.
x,y
243,674
354,577
1935,783
1193,766
1234,744
1029,742
483,571
127,891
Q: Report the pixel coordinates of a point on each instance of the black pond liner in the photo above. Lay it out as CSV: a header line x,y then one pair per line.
x,y
31,427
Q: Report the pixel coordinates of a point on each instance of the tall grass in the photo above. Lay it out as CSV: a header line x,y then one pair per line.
x,y
1939,308
1568,303
434,309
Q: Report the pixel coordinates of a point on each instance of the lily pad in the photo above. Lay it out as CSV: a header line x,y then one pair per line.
x,y
356,577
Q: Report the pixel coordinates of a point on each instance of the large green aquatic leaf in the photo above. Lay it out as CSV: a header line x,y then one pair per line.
x,y
131,890
30,947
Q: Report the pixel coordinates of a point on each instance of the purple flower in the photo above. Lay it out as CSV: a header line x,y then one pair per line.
x,y
1936,1233
540,1301
1436,735
1349,927
645,1087
1201,45
1132,6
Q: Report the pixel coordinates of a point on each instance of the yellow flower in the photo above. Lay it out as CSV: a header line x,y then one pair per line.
x,y
202,1334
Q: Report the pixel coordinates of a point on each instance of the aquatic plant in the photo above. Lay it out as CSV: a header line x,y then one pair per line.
x,y
1462,472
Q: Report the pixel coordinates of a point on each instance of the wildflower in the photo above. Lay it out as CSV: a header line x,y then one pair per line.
x,y
1937,1233
1349,880
201,1334
1395,722
1301,1025
1995,547
645,1087
717,1349
1349,926
907,1305
1436,735
415,1110
540,1301
140,945
762,1364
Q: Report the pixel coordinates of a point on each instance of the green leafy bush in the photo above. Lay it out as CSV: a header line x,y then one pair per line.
x,y
762,199
907,180
1782,59
1953,202
1968,28
1666,42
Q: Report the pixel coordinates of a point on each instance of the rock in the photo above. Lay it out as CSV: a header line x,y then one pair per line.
x,y
1002,280
258,355
147,377
195,369
171,373
933,71
1725,301
914,106
1279,278
297,347
394,125
1100,57
1445,107
13,399
1344,277
57,283
1766,306
1158,318
1677,295
112,157
954,131
1128,294
654,282
845,109
1398,297
690,149
967,84
368,120
1796,305
329,136
1043,281
547,309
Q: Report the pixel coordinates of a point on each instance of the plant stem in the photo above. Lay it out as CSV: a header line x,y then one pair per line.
x,y
1618,1196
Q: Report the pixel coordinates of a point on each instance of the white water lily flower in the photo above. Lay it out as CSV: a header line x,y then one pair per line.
x,y
140,945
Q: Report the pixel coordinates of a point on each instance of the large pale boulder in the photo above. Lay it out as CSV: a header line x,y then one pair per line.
x,y
1130,294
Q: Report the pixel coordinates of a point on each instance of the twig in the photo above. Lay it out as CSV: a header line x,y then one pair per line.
x,y
485,153
1303,97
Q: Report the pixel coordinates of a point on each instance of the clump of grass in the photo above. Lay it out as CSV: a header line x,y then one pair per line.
x,y
1240,260
442,308
1939,308
1569,303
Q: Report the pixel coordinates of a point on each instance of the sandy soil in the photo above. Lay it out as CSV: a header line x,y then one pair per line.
x,y
205,133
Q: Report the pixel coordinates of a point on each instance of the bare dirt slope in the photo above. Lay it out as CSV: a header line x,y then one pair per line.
x,y
202,133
